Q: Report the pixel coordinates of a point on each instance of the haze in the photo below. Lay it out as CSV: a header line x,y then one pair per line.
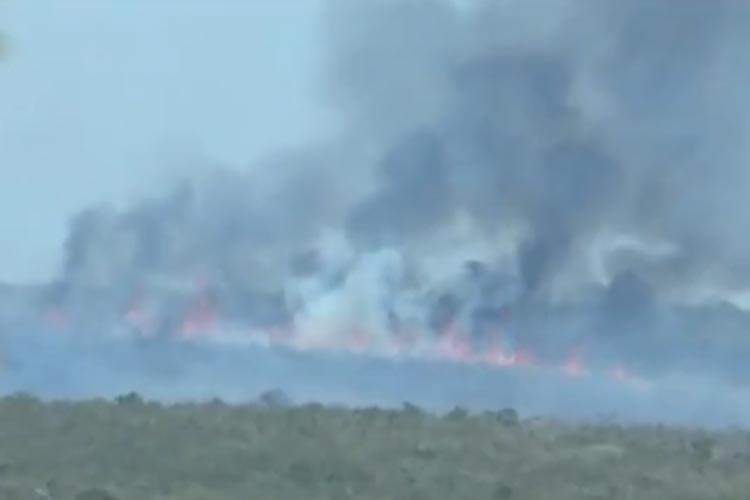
x,y
100,100
558,185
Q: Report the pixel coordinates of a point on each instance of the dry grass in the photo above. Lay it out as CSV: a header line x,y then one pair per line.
x,y
130,449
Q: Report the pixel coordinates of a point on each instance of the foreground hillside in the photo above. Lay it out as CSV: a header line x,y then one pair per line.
x,y
131,449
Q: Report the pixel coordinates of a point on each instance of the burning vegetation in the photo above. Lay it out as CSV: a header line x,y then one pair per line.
x,y
512,193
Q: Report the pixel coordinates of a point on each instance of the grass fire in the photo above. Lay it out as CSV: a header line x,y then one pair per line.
x,y
524,219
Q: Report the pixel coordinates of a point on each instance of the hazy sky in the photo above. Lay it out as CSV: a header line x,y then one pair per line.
x,y
102,98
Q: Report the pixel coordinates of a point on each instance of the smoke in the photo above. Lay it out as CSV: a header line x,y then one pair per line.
x,y
3,46
551,181
605,121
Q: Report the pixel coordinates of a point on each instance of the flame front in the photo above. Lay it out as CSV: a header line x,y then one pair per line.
x,y
201,321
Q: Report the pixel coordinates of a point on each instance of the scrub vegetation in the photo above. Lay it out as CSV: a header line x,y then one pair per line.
x,y
129,448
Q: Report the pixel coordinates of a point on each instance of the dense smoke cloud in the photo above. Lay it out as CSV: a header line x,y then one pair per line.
x,y
569,173
545,126
611,118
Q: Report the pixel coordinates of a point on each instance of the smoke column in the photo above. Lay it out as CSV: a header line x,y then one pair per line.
x,y
554,183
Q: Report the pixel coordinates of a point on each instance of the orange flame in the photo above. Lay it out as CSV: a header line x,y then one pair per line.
x,y
359,341
452,344
200,318
455,345
618,372
574,366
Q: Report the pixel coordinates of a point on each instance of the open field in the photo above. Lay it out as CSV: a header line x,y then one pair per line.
x,y
133,449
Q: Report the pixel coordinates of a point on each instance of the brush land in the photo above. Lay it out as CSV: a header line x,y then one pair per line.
x,y
133,449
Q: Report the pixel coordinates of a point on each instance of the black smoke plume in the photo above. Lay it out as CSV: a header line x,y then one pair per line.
x,y
571,174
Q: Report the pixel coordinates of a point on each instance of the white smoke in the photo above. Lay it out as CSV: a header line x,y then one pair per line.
x,y
564,173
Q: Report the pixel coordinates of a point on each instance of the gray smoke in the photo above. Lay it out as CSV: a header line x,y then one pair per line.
x,y
572,173
566,118
548,125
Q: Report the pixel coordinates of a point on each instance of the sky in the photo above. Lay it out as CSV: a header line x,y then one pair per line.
x,y
569,173
103,100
